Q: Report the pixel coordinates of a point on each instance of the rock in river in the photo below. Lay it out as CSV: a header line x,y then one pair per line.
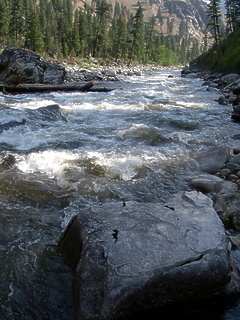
x,y
136,256
213,159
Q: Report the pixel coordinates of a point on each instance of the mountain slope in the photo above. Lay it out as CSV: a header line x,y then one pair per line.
x,y
173,15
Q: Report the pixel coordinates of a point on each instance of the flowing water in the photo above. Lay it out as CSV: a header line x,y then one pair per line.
x,y
137,142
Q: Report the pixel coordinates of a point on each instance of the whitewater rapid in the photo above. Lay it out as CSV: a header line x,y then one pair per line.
x,y
137,142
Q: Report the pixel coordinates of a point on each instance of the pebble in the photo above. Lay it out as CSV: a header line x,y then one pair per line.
x,y
233,177
225,172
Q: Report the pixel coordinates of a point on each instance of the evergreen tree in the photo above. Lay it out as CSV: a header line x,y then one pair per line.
x,y
160,18
4,22
232,14
17,20
59,29
103,14
214,15
86,32
33,36
183,28
137,34
75,43
150,30
121,39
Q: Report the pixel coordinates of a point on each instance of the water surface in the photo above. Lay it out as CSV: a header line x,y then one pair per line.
x,y
137,142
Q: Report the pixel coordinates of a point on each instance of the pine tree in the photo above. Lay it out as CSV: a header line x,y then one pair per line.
x,y
85,32
33,36
160,18
121,39
75,43
214,15
102,14
4,22
150,30
17,19
232,14
137,34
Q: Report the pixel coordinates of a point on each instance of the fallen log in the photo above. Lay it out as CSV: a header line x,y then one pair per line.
x,y
38,87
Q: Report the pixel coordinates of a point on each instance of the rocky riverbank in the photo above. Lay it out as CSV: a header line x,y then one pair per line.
x,y
96,72
130,255
23,71
227,85
221,180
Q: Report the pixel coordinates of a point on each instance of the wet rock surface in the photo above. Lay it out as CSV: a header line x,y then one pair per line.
x,y
136,256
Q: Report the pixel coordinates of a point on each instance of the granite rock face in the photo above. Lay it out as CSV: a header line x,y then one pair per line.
x,y
136,256
22,66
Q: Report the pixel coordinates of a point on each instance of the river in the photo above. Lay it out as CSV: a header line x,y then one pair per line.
x,y
137,142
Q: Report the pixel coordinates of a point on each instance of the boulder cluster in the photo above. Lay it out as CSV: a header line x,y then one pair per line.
x,y
113,73
221,182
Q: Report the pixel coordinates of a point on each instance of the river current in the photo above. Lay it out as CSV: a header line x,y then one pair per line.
x,y
137,142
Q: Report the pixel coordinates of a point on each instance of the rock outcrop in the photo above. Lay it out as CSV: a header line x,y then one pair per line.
x,y
136,256
22,66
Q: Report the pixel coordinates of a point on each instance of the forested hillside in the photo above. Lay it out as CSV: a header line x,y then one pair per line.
x,y
224,55
72,28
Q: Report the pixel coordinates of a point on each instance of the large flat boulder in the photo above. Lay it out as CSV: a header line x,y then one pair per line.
x,y
22,66
136,256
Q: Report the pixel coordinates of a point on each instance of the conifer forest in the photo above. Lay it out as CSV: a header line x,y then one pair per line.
x,y
59,29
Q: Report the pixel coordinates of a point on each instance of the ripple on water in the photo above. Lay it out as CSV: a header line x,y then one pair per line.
x,y
134,143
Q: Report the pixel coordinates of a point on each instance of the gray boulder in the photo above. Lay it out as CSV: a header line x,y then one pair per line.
x,y
22,66
110,73
188,70
236,113
227,206
213,159
205,182
136,256
230,78
222,100
236,90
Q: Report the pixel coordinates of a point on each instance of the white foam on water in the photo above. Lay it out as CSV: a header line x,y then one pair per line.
x,y
50,162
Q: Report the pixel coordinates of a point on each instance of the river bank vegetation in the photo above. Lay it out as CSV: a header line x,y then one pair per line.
x,y
228,60
224,55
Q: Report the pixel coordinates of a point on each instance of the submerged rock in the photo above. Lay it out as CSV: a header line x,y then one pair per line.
x,y
22,66
49,113
136,256
12,124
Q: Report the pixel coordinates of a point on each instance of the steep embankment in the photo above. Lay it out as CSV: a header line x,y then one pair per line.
x,y
227,61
